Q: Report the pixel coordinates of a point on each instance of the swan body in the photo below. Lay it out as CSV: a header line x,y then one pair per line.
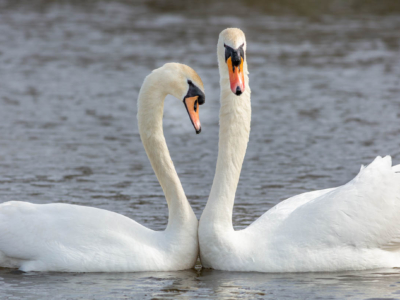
x,y
64,237
352,227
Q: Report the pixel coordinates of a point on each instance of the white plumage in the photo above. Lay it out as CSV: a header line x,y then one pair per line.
x,y
64,237
352,227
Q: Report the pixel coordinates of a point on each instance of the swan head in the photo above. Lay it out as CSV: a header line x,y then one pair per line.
x,y
231,57
186,85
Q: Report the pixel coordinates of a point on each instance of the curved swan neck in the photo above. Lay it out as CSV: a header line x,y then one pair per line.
x,y
150,113
235,118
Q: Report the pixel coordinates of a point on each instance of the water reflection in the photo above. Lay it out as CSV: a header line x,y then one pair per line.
x,y
205,283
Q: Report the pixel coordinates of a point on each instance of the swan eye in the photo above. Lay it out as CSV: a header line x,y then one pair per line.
x,y
195,91
195,106
235,54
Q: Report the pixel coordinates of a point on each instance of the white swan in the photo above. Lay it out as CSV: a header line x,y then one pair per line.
x,y
63,237
352,227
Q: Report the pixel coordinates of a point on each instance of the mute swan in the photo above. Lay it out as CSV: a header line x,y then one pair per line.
x,y
352,227
72,238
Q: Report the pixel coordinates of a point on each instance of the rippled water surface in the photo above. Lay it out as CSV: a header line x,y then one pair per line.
x,y
325,98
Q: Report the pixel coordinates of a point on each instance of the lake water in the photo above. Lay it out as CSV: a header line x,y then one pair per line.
x,y
325,96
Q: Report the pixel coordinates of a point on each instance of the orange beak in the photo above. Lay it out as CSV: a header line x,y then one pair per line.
x,y
192,107
236,77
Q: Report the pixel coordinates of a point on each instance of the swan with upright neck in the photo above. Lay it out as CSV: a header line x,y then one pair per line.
x,y
352,227
72,238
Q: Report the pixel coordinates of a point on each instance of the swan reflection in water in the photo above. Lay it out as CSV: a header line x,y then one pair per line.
x,y
212,283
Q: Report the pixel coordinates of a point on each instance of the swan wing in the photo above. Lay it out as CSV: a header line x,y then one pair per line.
x,y
62,237
282,210
363,213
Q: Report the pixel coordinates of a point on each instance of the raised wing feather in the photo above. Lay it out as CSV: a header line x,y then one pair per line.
x,y
277,214
364,213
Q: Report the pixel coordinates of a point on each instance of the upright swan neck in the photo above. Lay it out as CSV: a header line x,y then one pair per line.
x,y
150,114
235,117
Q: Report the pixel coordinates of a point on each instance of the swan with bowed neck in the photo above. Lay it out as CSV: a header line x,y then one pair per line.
x,y
72,238
352,227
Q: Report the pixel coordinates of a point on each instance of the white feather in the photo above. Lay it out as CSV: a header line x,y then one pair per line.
x,y
352,227
63,237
